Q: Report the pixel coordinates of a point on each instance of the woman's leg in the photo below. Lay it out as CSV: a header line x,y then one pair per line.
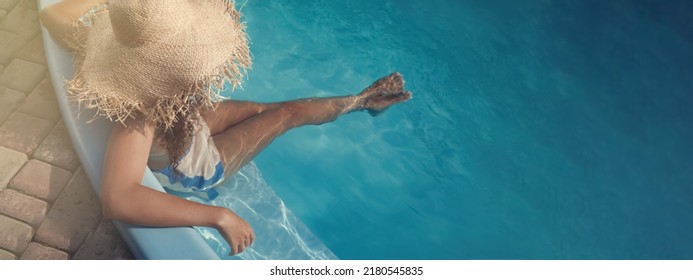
x,y
240,143
231,112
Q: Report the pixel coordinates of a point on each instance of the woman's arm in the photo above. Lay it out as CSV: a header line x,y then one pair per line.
x,y
125,199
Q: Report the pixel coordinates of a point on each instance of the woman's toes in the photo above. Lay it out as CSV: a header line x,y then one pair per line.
x,y
380,102
397,82
399,97
389,85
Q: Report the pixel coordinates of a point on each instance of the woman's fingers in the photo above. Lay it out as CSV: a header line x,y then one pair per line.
x,y
237,232
237,248
240,243
234,249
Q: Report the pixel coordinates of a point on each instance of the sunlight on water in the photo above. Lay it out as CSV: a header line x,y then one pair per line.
x,y
279,234
538,130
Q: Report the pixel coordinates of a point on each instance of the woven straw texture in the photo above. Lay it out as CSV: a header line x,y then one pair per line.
x,y
154,59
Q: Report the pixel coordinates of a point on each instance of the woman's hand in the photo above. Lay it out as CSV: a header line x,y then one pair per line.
x,y
124,198
235,230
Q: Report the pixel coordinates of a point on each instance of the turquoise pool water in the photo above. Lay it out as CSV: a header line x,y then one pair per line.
x,y
538,129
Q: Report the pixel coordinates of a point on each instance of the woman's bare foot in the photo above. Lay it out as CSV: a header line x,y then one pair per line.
x,y
383,93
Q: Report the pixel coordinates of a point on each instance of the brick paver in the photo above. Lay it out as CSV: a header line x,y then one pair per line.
x,y
15,235
57,149
42,103
9,100
104,244
37,251
10,162
8,4
10,44
30,126
4,255
33,52
22,20
30,4
22,75
23,207
41,179
74,215
23,133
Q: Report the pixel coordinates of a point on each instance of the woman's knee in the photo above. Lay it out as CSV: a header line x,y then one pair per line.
x,y
60,22
62,17
51,16
60,14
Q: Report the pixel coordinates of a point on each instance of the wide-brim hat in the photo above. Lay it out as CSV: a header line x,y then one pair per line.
x,y
154,59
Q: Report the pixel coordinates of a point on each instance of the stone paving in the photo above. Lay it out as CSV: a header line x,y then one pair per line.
x,y
48,209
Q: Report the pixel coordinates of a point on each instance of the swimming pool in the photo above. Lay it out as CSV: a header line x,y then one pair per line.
x,y
538,129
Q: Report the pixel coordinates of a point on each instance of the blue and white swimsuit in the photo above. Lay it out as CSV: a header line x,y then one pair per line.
x,y
201,167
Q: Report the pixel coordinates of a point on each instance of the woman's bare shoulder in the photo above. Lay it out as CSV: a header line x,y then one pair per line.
x,y
133,133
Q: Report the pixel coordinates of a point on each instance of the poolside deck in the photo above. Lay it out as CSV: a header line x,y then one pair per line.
x,y
48,210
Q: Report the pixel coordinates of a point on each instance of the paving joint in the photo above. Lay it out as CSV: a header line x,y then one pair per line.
x,y
33,139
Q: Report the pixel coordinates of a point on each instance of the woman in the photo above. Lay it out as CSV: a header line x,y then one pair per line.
x,y
155,68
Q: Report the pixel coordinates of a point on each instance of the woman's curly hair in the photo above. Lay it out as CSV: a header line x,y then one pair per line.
x,y
176,138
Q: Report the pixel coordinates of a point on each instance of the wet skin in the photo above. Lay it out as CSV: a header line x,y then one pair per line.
x,y
240,130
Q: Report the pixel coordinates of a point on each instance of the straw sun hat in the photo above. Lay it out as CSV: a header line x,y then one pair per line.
x,y
154,59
